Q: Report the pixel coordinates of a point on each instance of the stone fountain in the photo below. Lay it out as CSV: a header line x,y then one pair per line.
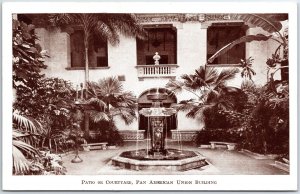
x,y
157,156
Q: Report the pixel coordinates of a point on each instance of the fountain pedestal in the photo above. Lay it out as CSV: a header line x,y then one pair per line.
x,y
157,115
158,137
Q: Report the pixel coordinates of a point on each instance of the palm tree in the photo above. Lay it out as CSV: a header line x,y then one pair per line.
x,y
107,100
209,88
106,26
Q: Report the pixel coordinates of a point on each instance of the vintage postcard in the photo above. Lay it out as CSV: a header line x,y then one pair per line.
x,y
149,96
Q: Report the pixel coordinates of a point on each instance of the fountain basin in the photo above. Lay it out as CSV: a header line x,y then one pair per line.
x,y
174,160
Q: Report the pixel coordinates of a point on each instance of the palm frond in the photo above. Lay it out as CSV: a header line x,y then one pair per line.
x,y
190,81
19,134
211,96
20,163
107,31
110,85
226,75
97,116
27,123
128,115
24,147
100,104
175,86
94,89
210,75
185,105
196,111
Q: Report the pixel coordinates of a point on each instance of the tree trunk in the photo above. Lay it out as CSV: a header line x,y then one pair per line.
x,y
86,116
86,124
86,69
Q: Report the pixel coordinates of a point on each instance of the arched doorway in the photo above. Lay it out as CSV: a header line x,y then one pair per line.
x,y
143,102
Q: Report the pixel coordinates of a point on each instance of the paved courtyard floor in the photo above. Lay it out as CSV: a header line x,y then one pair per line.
x,y
221,162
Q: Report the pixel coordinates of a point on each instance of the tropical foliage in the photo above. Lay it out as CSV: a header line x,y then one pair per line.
x,y
264,122
107,100
32,100
28,57
247,71
209,88
27,158
22,133
108,27
261,124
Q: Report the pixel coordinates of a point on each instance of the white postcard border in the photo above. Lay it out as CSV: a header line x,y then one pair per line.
x,y
224,182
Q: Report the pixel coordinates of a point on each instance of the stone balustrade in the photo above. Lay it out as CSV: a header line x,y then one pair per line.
x,y
152,71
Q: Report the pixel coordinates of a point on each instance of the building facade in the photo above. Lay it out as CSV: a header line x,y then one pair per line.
x,y
184,42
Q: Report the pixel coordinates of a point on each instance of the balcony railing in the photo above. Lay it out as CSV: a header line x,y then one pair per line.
x,y
152,71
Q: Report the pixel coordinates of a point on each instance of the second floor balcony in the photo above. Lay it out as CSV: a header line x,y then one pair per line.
x,y
156,71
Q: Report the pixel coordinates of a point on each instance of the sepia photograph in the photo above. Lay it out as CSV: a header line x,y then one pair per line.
x,y
105,97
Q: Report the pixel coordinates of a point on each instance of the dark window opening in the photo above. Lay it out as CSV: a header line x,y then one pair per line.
x,y
161,40
220,35
97,51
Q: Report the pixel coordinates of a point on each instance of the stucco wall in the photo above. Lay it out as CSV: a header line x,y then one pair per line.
x,y
122,60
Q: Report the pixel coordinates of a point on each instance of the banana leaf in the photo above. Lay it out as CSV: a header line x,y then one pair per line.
x,y
267,22
247,38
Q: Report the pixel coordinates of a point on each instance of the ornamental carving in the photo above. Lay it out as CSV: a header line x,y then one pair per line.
x,y
188,17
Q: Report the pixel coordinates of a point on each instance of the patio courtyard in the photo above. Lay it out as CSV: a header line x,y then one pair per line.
x,y
221,162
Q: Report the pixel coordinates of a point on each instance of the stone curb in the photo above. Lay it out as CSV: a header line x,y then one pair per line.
x,y
258,156
282,166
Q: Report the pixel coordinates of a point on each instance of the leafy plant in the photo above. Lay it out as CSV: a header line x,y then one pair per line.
x,y
264,122
21,151
247,71
104,131
47,164
108,100
209,88
28,57
243,39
